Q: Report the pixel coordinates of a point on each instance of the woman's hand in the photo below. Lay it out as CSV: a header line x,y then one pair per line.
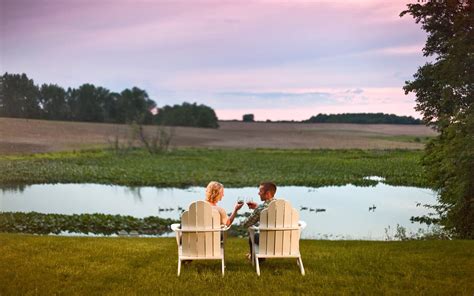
x,y
238,206
234,213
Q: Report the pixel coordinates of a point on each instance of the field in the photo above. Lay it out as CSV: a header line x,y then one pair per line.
x,y
19,136
48,265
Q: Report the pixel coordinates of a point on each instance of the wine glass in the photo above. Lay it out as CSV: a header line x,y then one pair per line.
x,y
240,200
249,200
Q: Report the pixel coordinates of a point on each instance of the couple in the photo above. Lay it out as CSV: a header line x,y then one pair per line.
x,y
266,191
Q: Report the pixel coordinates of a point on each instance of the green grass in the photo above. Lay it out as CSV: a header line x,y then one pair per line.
x,y
237,168
405,138
48,265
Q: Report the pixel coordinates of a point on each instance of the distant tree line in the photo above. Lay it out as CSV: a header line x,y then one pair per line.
x,y
20,97
364,118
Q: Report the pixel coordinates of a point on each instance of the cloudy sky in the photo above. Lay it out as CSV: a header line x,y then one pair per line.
x,y
276,59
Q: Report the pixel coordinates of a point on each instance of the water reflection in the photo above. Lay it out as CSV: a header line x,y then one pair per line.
x,y
12,188
344,212
135,192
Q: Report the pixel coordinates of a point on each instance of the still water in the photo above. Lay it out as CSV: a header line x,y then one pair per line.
x,y
342,212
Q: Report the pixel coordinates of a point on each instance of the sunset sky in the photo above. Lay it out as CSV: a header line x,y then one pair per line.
x,y
276,59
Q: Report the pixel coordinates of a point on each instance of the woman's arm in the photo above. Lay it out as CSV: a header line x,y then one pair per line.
x,y
234,213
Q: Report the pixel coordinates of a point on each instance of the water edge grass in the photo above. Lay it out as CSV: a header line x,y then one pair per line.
x,y
82,265
232,167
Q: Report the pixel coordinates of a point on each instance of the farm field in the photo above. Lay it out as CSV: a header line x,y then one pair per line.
x,y
20,136
45,265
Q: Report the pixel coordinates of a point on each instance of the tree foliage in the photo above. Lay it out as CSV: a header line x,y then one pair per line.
x,y
20,97
364,118
248,118
187,115
445,97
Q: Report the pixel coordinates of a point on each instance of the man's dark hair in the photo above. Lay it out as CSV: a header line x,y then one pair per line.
x,y
269,186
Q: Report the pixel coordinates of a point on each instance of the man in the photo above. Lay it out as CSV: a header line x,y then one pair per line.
x,y
266,191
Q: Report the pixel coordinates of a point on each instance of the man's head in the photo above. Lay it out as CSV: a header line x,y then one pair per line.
x,y
267,190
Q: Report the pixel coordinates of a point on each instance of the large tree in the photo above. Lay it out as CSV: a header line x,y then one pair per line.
x,y
445,97
18,96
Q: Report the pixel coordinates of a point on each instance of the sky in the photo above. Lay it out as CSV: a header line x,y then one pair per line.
x,y
280,60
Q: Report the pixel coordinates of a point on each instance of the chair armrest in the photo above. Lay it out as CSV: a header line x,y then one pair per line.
x,y
302,224
176,227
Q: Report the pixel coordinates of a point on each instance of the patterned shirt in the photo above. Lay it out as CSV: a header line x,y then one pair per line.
x,y
255,216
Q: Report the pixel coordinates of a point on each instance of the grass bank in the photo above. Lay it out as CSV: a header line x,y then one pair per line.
x,y
236,168
48,265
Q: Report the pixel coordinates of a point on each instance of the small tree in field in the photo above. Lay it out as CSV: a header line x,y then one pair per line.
x,y
248,118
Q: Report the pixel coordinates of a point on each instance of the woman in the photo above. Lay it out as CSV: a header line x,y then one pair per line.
x,y
215,193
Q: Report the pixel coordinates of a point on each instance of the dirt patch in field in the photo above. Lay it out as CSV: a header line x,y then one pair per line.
x,y
18,136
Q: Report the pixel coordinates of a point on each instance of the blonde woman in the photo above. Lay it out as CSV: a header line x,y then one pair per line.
x,y
215,193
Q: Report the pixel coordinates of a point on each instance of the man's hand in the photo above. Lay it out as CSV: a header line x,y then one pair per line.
x,y
252,205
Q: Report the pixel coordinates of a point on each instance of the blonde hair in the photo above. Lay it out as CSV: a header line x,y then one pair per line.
x,y
213,191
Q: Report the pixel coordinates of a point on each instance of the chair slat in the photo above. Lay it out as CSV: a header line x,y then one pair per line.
x,y
263,234
185,236
271,234
279,216
201,208
295,234
192,224
216,236
287,222
208,235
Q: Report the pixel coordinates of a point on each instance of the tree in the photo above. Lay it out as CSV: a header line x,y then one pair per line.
x,y
110,107
134,105
86,103
445,97
248,118
187,115
18,96
53,101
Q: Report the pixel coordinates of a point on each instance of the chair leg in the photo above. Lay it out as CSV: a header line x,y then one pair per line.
x,y
179,266
223,266
252,256
257,265
300,264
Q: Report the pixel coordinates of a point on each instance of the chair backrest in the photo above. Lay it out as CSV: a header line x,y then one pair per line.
x,y
201,216
279,214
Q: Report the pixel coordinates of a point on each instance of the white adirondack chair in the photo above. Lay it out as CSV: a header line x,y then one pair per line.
x,y
200,235
280,231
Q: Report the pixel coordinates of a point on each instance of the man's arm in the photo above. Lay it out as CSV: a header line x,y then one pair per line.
x,y
254,217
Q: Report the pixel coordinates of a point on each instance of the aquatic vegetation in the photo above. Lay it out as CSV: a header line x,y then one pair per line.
x,y
38,223
233,167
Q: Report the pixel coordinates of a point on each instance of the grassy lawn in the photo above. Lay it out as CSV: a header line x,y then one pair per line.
x,y
48,265
244,167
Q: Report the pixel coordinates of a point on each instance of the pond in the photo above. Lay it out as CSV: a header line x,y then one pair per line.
x,y
342,212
